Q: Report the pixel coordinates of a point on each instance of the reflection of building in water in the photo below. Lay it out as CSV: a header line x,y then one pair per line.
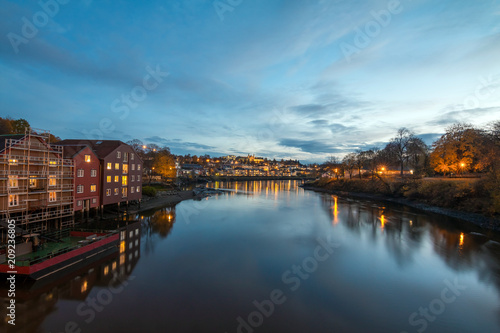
x,y
271,188
34,302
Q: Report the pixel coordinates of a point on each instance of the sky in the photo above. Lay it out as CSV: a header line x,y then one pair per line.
x,y
276,78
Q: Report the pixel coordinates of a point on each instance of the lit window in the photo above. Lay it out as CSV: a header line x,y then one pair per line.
x,y
52,181
132,156
117,191
13,200
93,173
52,196
124,191
12,161
80,173
138,189
118,154
87,158
117,166
79,203
108,192
138,167
33,182
106,270
93,188
113,266
79,189
117,179
133,167
13,182
122,246
124,181
122,259
108,179
52,163
109,166
132,189
125,168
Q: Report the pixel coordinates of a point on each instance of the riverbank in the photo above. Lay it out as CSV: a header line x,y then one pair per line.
x,y
482,221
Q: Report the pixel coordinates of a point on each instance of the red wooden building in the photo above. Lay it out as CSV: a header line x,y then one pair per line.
x,y
86,176
120,170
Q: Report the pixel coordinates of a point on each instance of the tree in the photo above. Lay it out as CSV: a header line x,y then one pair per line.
x,y
460,149
164,163
6,126
19,126
399,146
136,145
350,163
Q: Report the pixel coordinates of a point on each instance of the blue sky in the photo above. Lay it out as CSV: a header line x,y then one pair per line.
x,y
285,79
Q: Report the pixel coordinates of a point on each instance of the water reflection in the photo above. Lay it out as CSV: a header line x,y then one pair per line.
x,y
36,300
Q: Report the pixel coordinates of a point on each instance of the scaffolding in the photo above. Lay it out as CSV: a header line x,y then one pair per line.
x,y
36,183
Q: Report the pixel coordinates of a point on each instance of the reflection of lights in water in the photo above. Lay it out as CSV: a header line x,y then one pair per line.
x,y
84,286
382,221
461,239
335,211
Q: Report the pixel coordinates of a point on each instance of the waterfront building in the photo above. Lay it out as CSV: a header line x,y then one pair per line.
x,y
36,182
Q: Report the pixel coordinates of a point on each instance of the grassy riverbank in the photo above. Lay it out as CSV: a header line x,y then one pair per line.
x,y
467,199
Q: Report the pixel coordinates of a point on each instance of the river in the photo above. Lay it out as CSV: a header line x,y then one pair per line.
x,y
271,257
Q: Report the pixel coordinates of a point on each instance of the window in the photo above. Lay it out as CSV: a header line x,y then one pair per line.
x,y
124,181
131,233
137,231
13,182
117,191
52,181
108,192
132,189
80,173
118,154
124,192
52,163
132,156
125,157
52,196
13,161
108,179
117,166
93,173
79,189
138,189
87,158
33,182
133,167
94,200
125,168
132,178
13,200
109,166
138,167
117,179
93,188
79,203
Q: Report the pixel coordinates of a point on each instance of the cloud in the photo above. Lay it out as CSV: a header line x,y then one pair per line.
x,y
178,144
311,146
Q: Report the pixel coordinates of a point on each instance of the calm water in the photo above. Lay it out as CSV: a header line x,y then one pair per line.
x,y
271,257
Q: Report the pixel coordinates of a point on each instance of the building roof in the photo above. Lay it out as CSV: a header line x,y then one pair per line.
x,y
70,151
101,148
5,137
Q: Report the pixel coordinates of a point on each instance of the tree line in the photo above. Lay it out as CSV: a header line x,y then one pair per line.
x,y
464,148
